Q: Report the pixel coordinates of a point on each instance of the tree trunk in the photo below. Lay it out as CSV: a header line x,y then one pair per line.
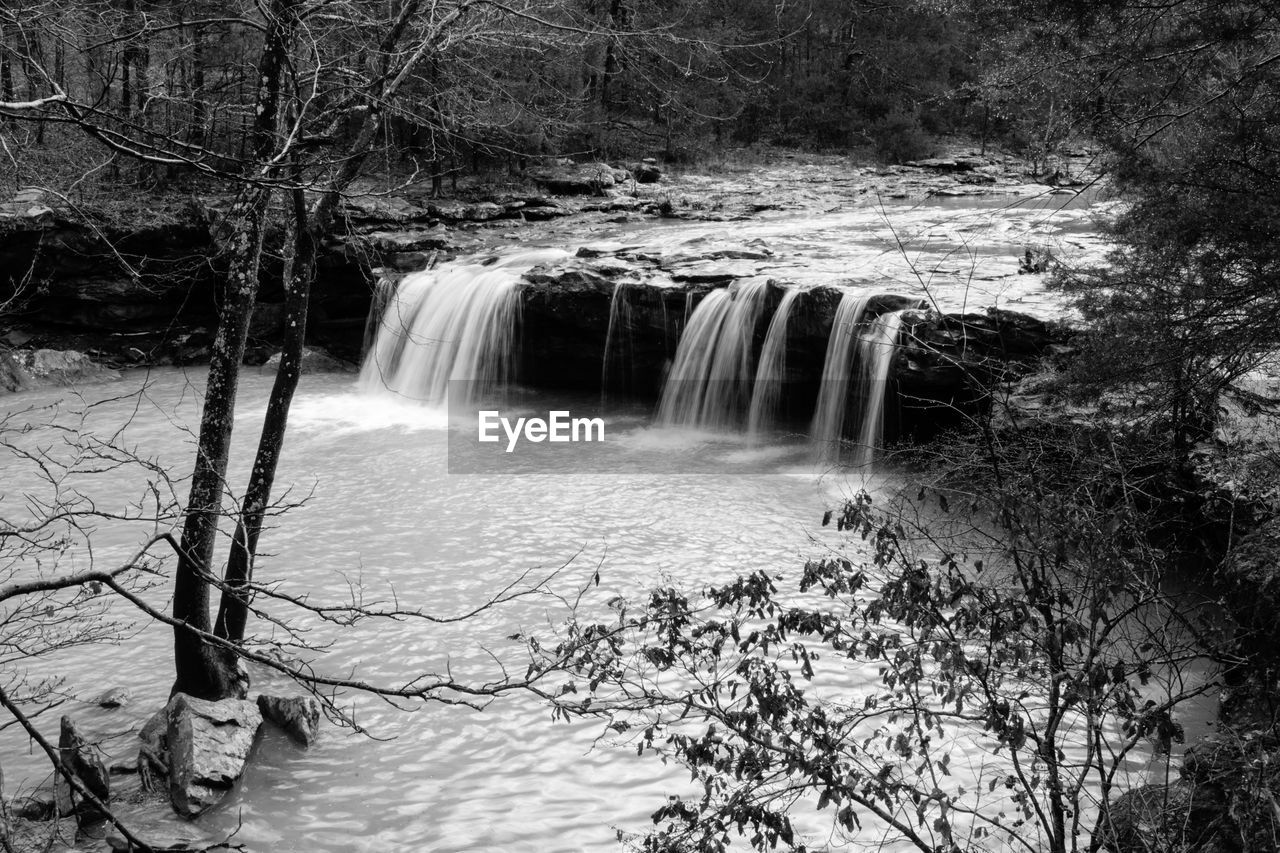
x,y
6,74
202,670
233,611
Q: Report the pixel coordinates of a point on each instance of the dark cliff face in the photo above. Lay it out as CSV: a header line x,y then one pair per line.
x,y
594,329
150,294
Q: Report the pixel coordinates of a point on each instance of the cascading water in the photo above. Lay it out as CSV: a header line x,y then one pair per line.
x,y
457,322
710,382
771,370
833,394
877,345
383,292
617,342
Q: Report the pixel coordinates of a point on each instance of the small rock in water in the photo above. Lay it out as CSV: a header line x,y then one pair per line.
x,y
39,805
116,697
299,716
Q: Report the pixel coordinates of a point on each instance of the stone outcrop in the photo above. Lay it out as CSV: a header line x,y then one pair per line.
x,y
941,372
297,716
208,745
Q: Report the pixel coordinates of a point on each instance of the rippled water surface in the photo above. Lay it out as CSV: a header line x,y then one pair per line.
x,y
382,513
381,517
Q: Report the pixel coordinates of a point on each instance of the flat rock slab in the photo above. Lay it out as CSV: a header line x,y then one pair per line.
x,y
209,743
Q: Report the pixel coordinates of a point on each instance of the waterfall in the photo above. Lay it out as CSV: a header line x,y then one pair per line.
x,y
877,346
617,336
771,371
383,292
710,382
833,394
456,322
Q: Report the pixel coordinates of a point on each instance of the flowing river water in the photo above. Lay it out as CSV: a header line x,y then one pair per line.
x,y
381,516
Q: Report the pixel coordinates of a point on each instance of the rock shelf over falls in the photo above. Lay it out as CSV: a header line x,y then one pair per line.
x,y
712,344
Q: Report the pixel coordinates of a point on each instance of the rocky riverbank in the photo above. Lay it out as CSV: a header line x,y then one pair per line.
x,y
146,292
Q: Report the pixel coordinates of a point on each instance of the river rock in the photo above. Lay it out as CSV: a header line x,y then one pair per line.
x,y
646,172
209,743
116,697
65,367
13,376
298,716
414,240
314,361
589,179
38,805
84,762
59,834
27,207
378,208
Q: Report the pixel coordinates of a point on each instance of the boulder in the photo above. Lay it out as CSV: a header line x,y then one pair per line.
x,y
298,716
315,361
38,805
83,762
209,743
590,179
646,171
27,208
65,367
116,697
13,376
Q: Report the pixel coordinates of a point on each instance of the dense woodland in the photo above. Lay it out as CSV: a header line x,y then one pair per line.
x,y
283,104
497,82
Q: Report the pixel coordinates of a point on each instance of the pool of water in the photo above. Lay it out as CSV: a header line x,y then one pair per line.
x,y
380,512
380,515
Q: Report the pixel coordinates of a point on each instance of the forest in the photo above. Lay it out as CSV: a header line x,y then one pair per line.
x,y
1004,274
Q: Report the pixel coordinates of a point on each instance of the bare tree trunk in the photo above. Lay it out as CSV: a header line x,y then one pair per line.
x,y
233,608
202,670
233,611
6,73
196,133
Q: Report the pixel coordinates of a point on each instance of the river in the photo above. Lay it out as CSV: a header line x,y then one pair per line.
x,y
381,513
